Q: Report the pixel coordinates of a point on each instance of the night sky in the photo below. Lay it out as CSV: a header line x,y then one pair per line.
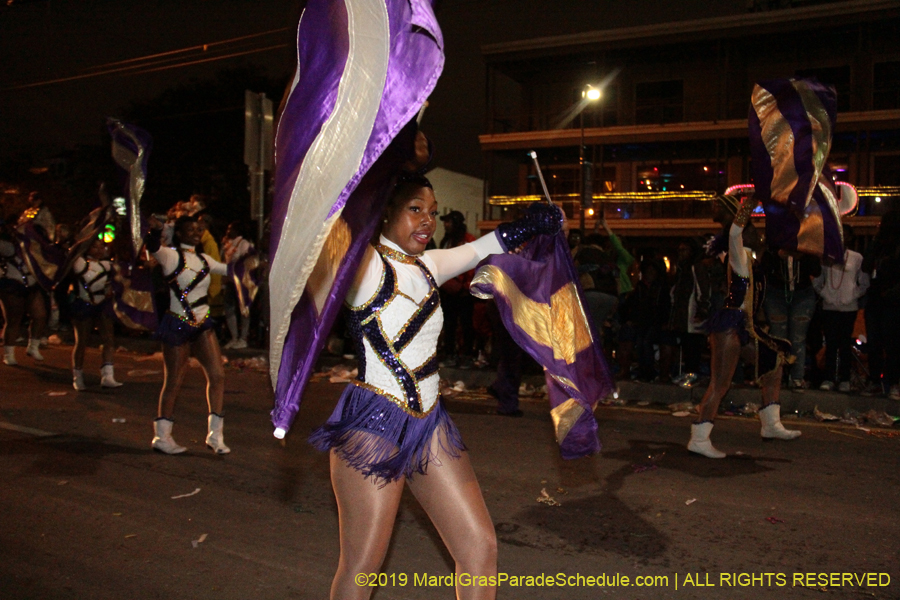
x,y
55,41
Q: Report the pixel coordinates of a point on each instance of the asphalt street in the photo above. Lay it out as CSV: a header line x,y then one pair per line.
x,y
89,511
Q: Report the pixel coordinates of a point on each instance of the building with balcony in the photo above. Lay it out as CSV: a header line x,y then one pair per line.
x,y
669,129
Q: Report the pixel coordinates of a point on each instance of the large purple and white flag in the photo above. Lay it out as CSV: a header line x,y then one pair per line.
x,y
791,123
364,69
541,304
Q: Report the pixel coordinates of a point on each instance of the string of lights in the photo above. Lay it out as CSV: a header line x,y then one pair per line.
x,y
641,197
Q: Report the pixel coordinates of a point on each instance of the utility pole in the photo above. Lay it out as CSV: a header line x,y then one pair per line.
x,y
259,152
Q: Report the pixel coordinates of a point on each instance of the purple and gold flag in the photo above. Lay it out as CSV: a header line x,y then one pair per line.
x,y
45,259
791,123
364,69
541,305
133,297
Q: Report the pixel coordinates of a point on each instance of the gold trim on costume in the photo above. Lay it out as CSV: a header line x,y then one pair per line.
x,y
394,399
392,254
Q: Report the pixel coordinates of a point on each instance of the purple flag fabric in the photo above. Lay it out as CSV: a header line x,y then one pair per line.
x,y
542,306
364,70
791,123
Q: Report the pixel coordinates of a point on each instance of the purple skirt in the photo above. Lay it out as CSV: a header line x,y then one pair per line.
x,y
175,332
393,443
82,310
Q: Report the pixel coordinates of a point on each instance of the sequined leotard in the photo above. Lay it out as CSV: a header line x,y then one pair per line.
x,y
384,421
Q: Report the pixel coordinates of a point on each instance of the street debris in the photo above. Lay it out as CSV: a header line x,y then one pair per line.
x,y
196,491
690,501
774,520
682,409
118,420
63,482
54,340
547,499
143,372
57,393
643,403
130,535
642,468
750,409
449,390
199,540
155,356
880,418
256,363
821,416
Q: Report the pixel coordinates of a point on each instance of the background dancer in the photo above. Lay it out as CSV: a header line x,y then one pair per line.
x,y
19,293
185,329
89,305
732,332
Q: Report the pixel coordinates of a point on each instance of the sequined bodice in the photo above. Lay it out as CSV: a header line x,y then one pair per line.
x,y
188,285
397,336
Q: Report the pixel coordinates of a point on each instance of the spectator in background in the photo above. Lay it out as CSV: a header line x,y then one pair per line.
x,y
211,248
790,303
456,301
234,247
599,261
882,300
690,306
38,213
644,313
841,287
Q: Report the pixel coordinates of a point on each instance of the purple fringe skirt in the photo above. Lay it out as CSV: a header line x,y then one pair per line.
x,y
175,332
379,439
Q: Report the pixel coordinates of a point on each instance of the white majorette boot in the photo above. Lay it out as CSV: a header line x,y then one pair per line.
x,y
700,441
78,380
9,356
770,417
163,440
107,377
215,439
34,350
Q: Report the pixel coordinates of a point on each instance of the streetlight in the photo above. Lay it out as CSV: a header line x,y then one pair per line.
x,y
588,94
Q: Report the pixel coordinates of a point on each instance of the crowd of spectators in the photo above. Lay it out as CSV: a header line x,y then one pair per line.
x,y
650,307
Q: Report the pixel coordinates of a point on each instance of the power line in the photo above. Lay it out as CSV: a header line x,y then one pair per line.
x,y
203,47
138,66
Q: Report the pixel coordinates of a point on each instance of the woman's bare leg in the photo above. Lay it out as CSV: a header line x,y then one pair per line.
x,y
82,329
37,310
725,351
206,349
450,494
107,338
175,362
771,387
13,312
366,513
